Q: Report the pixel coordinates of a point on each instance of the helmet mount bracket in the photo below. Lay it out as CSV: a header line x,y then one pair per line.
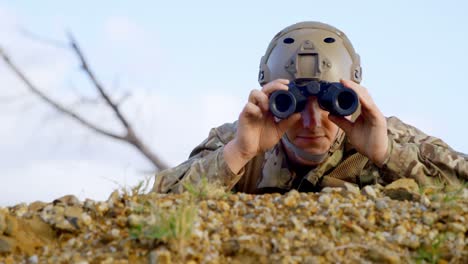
x,y
307,63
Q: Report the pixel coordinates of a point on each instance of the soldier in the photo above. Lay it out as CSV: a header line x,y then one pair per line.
x,y
312,148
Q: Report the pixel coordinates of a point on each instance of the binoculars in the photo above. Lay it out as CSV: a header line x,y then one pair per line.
x,y
332,97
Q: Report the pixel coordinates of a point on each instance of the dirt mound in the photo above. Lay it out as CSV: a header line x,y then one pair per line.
x,y
336,225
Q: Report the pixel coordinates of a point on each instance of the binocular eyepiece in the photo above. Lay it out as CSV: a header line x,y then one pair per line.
x,y
332,97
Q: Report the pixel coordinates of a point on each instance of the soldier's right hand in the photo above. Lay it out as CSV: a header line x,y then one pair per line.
x,y
257,130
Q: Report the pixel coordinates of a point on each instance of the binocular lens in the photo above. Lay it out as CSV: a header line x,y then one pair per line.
x,y
346,103
282,104
345,100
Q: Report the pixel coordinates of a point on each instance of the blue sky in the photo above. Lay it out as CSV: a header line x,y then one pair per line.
x,y
190,66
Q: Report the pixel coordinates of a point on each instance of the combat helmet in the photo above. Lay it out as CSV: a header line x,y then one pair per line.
x,y
310,51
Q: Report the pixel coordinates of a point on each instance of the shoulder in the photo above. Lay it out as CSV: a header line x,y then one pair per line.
x,y
224,132
395,124
400,129
402,132
218,137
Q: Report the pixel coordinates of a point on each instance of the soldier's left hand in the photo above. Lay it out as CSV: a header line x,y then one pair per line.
x,y
368,133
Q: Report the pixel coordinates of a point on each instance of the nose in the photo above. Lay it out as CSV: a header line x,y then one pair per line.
x,y
311,115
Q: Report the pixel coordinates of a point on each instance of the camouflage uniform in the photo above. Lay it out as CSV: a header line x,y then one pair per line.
x,y
411,154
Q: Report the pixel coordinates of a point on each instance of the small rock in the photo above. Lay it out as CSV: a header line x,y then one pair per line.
x,y
108,260
425,201
223,206
37,206
382,255
89,204
69,225
33,259
7,244
403,189
115,232
417,229
69,200
324,200
355,228
331,189
429,218
113,198
211,204
20,209
160,257
231,247
465,194
352,188
290,201
381,204
166,204
73,211
11,225
457,227
400,230
2,223
102,207
369,191
86,219
135,220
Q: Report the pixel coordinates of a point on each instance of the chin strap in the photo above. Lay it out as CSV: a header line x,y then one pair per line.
x,y
316,158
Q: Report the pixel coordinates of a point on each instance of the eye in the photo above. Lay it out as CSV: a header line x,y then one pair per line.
x,y
288,41
329,40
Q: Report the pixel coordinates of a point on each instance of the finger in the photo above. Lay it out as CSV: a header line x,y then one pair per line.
x,y
278,84
251,111
342,122
259,98
368,105
284,124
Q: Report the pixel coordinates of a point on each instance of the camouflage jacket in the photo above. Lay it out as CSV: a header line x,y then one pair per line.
x,y
411,154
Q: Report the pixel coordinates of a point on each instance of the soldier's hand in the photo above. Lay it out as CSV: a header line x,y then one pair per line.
x,y
257,130
368,133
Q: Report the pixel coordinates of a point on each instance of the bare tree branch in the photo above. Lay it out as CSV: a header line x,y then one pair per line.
x,y
130,137
59,107
51,42
97,85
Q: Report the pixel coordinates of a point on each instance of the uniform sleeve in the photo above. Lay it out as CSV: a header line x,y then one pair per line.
x,y
205,161
413,154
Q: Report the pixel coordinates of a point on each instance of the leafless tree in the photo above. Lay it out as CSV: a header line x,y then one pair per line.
x,y
128,137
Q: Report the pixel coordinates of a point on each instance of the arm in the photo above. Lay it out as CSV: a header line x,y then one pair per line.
x,y
206,160
400,150
413,154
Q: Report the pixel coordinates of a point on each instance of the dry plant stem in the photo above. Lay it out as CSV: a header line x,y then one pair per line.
x,y
130,136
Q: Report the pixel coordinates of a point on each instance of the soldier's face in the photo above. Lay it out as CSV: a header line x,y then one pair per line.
x,y
314,132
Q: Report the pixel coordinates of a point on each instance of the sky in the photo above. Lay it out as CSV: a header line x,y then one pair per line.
x,y
188,66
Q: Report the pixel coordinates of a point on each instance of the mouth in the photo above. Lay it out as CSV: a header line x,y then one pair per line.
x,y
309,137
308,140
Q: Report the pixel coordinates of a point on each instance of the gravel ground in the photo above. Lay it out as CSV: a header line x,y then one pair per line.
x,y
372,225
